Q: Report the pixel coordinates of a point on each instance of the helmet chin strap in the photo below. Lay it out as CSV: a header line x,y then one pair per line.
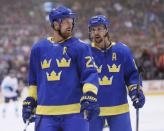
x,y
59,30
106,44
89,36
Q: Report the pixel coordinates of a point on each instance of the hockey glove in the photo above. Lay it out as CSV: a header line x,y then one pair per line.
x,y
137,97
29,105
89,106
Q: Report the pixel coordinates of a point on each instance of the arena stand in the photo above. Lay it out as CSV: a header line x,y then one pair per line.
x,y
139,24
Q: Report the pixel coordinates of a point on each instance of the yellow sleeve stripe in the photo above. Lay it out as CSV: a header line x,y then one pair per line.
x,y
90,87
32,91
131,86
134,86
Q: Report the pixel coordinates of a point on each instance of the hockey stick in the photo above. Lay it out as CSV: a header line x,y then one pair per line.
x,y
85,114
137,119
27,123
140,70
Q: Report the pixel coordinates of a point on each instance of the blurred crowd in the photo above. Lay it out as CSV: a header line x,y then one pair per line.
x,y
138,23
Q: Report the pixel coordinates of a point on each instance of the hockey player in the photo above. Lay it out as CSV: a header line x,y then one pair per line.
x,y
117,73
9,87
62,79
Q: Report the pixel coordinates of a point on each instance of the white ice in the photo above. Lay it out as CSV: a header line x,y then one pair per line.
x,y
151,117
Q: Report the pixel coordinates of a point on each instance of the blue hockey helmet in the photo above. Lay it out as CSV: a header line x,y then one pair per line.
x,y
98,20
57,14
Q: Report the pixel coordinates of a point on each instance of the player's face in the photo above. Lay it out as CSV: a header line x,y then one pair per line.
x,y
98,33
12,74
66,27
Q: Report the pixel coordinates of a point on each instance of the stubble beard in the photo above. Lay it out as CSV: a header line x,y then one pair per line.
x,y
66,34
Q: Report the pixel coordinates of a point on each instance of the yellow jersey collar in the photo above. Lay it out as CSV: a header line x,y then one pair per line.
x,y
52,40
94,45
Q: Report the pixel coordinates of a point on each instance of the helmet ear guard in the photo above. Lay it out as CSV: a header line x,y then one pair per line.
x,y
55,26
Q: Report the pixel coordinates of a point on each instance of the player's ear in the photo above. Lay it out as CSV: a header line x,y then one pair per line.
x,y
56,26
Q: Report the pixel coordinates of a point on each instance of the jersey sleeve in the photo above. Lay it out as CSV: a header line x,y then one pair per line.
x,y
88,73
131,71
15,86
4,81
33,74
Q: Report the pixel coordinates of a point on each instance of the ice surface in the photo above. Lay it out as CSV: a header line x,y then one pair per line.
x,y
151,117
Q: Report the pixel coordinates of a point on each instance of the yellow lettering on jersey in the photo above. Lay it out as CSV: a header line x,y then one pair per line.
x,y
114,56
89,62
64,50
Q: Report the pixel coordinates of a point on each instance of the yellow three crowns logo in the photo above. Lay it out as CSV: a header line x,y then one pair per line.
x,y
105,80
99,69
114,68
63,62
53,76
45,64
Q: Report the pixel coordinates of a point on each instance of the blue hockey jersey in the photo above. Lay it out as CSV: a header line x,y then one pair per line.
x,y
117,71
59,74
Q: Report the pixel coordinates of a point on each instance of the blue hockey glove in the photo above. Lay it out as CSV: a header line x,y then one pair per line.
x,y
29,105
89,106
137,97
